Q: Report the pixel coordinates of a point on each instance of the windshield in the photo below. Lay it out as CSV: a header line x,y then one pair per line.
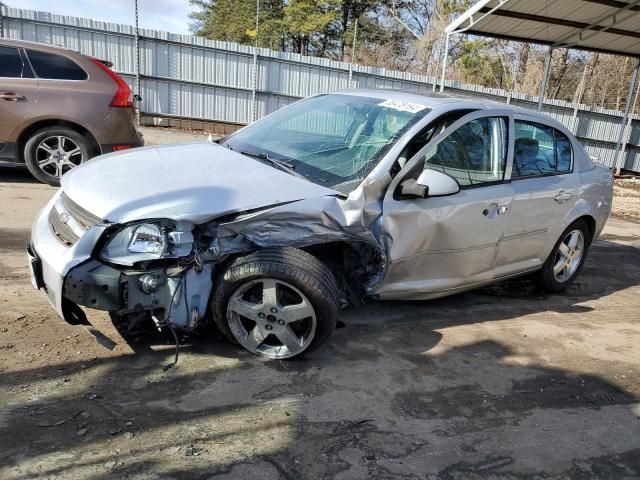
x,y
332,140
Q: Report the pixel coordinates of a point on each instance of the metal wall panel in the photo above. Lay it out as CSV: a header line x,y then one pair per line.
x,y
193,77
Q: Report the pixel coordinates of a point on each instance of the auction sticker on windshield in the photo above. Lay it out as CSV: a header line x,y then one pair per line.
x,y
403,106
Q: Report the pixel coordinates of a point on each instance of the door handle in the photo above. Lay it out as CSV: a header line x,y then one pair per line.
x,y
494,209
563,196
12,97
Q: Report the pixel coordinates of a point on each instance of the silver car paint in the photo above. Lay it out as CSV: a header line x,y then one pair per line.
x,y
194,182
426,248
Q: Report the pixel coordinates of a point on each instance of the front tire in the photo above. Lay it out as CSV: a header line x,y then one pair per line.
x,y
52,151
566,259
277,302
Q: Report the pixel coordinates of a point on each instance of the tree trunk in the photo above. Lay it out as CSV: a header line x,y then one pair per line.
x,y
586,77
621,84
523,59
561,71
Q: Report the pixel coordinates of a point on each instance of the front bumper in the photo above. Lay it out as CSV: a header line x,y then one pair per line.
x,y
55,259
71,277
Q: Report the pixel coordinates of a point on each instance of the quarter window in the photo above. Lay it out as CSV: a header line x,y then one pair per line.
x,y
564,152
11,64
540,150
55,67
474,154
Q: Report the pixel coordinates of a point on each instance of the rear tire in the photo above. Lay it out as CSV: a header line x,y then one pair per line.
x,y
566,260
52,151
277,302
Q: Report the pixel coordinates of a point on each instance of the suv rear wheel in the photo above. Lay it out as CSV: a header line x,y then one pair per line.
x,y
52,151
276,302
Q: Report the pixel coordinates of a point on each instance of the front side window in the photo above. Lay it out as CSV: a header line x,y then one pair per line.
x,y
540,150
11,64
474,154
332,140
55,67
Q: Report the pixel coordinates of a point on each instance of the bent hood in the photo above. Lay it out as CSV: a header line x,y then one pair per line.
x,y
194,182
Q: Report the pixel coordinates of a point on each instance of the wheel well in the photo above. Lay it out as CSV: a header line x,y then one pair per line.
x,y
591,224
353,264
34,127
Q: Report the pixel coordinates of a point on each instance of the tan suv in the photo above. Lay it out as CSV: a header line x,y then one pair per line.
x,y
59,108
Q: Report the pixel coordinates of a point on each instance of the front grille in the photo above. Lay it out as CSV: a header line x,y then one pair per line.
x,y
84,218
69,221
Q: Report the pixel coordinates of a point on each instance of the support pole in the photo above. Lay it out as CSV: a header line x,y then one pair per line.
x,y
1,23
619,154
545,78
353,53
137,46
444,63
254,84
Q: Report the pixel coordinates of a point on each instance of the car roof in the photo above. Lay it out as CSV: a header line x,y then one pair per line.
x,y
433,100
36,45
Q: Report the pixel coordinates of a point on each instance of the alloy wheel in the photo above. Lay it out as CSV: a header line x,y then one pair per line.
x,y
569,256
57,155
272,318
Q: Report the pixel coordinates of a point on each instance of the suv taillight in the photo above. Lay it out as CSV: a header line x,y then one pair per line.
x,y
123,96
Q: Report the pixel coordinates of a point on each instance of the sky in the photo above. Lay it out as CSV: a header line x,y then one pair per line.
x,y
167,15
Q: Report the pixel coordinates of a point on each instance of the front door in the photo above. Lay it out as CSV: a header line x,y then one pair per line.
x,y
18,96
436,245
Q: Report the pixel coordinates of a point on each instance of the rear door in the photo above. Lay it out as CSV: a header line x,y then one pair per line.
x,y
439,244
18,96
545,191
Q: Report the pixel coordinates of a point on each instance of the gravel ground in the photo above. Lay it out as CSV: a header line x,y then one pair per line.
x,y
500,383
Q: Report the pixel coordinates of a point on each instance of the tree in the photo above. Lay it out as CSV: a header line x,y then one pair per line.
x,y
307,23
426,20
235,21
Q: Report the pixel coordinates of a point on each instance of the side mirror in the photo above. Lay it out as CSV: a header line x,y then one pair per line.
x,y
430,183
438,183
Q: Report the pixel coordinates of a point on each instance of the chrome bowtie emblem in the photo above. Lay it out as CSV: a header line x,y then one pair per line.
x,y
64,217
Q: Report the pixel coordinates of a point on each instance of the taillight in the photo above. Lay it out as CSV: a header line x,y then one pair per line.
x,y
123,96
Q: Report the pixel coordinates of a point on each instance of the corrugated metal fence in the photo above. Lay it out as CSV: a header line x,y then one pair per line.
x,y
191,77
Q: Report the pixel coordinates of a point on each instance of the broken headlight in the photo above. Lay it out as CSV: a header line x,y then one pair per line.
x,y
141,242
147,238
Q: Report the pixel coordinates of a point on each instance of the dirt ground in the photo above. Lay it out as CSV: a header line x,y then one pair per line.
x,y
626,200
500,383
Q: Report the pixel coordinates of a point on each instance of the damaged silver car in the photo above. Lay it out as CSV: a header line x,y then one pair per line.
x,y
336,198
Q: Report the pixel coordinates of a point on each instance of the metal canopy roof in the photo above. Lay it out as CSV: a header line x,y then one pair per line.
x,y
608,26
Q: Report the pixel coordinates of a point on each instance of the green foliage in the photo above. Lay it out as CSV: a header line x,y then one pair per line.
x,y
235,21
309,17
477,63
315,27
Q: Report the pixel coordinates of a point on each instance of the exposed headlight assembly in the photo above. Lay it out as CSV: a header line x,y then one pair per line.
x,y
152,240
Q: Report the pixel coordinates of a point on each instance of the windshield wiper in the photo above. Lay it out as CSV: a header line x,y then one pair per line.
x,y
281,164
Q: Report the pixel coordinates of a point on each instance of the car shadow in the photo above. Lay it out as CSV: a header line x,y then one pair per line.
x,y
481,414
383,398
610,267
12,173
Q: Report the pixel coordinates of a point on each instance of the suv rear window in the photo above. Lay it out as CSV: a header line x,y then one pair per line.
x,y
55,67
11,64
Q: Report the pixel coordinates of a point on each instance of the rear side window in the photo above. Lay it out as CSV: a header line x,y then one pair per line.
x,y
11,64
540,150
55,67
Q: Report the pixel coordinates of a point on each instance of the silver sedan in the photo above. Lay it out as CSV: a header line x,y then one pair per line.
x,y
270,231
